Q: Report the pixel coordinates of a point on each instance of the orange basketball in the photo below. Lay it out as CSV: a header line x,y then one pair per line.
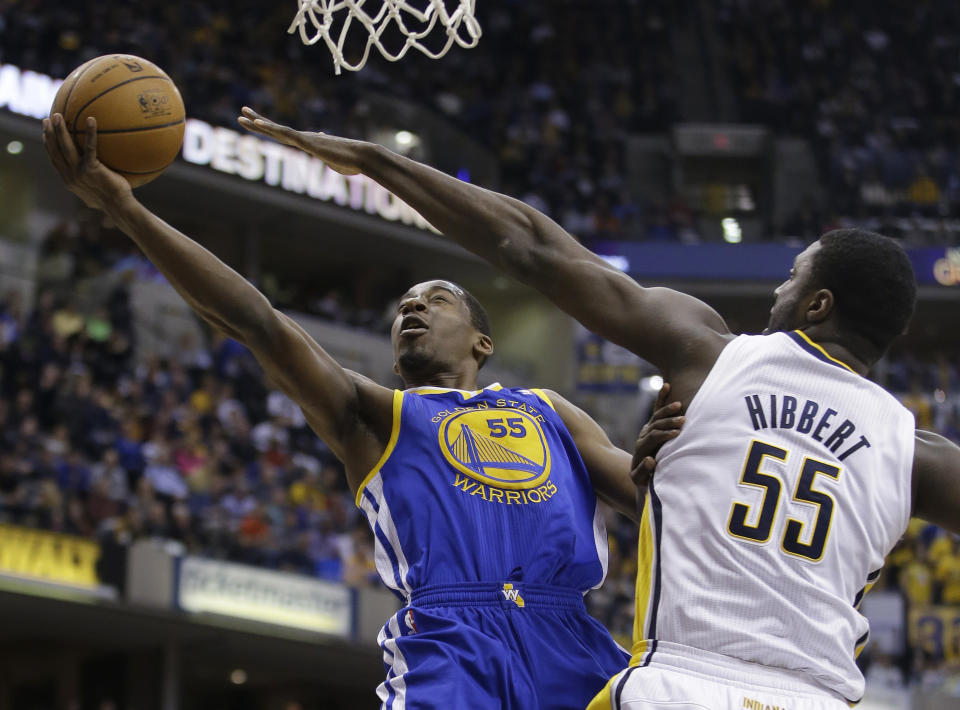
x,y
139,112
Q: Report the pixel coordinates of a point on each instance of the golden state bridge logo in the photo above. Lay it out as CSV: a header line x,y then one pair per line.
x,y
502,448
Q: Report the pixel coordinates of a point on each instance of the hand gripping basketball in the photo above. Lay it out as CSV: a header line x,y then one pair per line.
x,y
92,181
341,154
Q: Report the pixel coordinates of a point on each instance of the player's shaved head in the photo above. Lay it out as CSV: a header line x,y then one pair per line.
x,y
872,282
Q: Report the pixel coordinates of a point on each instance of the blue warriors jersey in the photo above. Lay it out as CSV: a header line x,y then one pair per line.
x,y
482,486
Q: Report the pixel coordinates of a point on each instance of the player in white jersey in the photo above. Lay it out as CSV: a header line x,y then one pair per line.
x,y
773,510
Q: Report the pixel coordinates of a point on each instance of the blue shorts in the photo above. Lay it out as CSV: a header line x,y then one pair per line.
x,y
510,647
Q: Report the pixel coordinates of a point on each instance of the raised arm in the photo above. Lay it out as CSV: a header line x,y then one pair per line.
x,y
350,413
672,330
936,481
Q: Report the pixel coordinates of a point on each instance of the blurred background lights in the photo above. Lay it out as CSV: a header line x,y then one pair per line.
x,y
652,383
731,230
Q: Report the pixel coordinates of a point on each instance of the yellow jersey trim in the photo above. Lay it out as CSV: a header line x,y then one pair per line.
x,y
441,390
646,550
543,395
825,353
391,444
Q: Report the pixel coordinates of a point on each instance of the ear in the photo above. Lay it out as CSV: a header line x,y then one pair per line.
x,y
820,306
396,369
483,346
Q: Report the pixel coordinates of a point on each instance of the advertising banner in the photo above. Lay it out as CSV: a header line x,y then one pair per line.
x,y
47,556
244,592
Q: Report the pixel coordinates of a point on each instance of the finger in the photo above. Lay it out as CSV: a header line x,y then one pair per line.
x,y
667,423
642,473
662,395
90,143
251,117
668,410
269,128
652,443
67,147
661,435
654,429
52,145
250,113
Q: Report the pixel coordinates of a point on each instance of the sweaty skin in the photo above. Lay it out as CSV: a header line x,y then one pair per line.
x,y
676,332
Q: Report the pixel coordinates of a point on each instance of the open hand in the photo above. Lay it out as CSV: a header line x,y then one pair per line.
x,y
342,154
92,181
664,425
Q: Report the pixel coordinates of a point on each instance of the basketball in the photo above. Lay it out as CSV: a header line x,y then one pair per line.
x,y
139,113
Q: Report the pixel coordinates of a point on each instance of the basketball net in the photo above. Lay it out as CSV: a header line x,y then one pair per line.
x,y
316,20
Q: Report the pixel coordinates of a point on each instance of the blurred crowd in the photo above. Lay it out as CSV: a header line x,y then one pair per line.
x,y
875,86
197,449
543,91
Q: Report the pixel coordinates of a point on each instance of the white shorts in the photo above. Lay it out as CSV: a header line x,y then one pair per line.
x,y
674,683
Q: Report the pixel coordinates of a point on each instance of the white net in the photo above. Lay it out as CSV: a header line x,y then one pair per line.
x,y
331,21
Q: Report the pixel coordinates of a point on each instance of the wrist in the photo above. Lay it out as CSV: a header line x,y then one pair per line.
x,y
122,208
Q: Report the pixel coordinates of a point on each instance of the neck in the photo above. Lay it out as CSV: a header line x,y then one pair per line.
x,y
847,349
448,380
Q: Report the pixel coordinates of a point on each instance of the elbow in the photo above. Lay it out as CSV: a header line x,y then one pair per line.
x,y
523,252
517,259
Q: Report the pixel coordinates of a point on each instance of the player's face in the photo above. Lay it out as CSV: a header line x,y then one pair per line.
x,y
432,328
791,297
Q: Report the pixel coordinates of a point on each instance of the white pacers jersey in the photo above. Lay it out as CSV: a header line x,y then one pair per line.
x,y
770,515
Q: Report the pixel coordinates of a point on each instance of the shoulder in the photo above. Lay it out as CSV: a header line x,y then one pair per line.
x,y
569,413
546,396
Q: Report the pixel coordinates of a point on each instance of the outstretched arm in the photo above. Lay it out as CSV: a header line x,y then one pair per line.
x,y
351,414
936,481
672,330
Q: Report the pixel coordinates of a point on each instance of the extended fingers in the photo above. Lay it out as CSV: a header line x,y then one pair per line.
x,y
668,410
652,437
671,423
253,121
90,143
67,147
250,113
54,147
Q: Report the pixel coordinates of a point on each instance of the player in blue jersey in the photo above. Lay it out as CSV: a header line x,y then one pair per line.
x,y
483,502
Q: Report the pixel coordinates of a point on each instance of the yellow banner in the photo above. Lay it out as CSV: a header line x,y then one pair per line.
x,y
44,555
936,630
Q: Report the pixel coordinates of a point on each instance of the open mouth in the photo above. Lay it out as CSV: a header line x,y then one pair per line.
x,y
413,325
